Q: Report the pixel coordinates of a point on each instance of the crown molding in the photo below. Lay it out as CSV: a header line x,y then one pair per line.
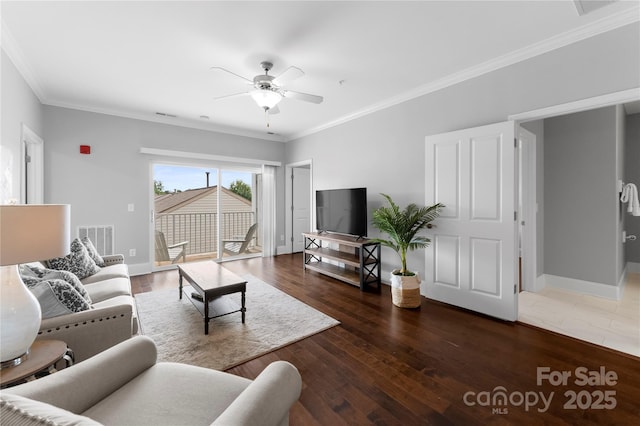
x,y
172,121
10,47
584,32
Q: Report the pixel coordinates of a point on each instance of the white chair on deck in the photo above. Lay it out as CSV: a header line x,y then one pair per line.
x,y
165,253
240,245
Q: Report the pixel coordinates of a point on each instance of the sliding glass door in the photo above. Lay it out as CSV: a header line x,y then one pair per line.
x,y
203,213
239,218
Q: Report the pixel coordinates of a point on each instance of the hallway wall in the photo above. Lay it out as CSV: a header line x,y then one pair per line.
x,y
581,207
632,174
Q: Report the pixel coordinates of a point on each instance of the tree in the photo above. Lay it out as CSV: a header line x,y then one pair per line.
x,y
241,188
158,187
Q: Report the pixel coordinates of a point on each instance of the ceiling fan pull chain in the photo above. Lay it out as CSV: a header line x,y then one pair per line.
x,y
266,116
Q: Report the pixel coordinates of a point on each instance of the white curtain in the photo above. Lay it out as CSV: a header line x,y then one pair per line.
x,y
268,210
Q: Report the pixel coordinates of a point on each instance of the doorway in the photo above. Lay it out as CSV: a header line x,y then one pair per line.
x,y
581,305
32,173
299,213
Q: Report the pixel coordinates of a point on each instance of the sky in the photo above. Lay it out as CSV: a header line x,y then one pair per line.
x,y
183,178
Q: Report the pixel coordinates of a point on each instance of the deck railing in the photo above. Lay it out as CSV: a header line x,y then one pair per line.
x,y
200,229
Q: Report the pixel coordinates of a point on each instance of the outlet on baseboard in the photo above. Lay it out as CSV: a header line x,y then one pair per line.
x,y
132,252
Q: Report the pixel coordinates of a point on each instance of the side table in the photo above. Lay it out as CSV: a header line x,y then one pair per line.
x,y
43,356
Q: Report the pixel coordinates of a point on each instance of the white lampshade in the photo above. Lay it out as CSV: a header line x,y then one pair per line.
x,y
266,98
27,233
33,232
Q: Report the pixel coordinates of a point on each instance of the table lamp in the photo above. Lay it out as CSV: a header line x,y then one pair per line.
x,y
28,233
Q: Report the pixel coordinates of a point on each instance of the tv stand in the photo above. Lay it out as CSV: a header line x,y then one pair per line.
x,y
358,258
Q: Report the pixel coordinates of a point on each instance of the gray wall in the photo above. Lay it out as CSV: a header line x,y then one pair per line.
x,y
19,105
99,186
632,174
580,201
384,151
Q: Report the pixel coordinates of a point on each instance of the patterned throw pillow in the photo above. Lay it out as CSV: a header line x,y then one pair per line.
x,y
93,252
31,275
78,261
57,297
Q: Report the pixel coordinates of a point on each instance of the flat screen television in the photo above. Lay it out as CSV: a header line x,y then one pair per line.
x,y
342,211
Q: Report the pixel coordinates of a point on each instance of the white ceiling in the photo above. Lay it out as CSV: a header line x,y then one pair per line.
x,y
137,58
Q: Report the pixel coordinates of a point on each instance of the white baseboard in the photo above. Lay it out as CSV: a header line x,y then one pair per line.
x,y
540,283
537,286
139,268
633,267
584,287
283,250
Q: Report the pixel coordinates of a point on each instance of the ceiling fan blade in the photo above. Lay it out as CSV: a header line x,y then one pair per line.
x,y
303,96
232,73
288,75
233,95
274,110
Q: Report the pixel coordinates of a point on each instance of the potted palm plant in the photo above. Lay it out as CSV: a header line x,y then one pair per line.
x,y
402,228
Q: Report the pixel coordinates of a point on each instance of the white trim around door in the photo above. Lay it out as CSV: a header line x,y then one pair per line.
x,y
286,245
31,167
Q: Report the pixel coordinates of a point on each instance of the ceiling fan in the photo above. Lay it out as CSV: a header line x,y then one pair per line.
x,y
267,91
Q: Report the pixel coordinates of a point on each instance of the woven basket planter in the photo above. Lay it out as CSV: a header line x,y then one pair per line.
x,y
405,291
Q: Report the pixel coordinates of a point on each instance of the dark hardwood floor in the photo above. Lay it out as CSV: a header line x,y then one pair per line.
x,y
434,365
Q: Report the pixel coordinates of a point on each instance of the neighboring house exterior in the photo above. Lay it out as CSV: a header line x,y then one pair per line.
x,y
191,215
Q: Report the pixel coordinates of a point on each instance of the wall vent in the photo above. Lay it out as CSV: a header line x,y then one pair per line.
x,y
102,237
164,114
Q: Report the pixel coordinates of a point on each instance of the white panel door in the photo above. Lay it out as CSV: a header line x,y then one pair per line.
x,y
471,261
301,206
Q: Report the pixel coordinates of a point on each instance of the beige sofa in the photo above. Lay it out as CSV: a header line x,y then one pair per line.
x,y
112,320
125,385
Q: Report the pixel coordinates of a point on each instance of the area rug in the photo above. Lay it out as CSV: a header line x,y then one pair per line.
x,y
273,320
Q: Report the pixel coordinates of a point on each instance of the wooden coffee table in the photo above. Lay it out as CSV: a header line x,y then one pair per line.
x,y
212,281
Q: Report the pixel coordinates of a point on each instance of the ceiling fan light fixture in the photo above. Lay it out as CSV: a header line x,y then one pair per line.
x,y
265,98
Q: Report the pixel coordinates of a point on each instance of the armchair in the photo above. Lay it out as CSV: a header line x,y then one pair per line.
x,y
126,385
171,252
239,245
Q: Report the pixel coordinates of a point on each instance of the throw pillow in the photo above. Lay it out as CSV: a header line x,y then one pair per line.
x,y
57,297
93,252
31,275
78,261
